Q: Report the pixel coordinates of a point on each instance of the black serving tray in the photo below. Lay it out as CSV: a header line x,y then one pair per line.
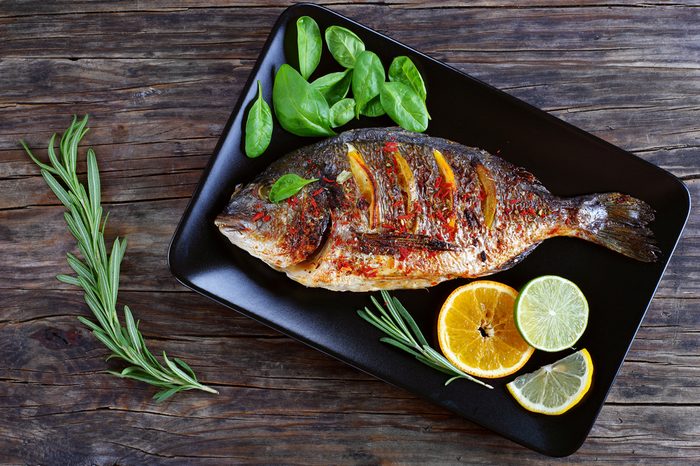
x,y
566,159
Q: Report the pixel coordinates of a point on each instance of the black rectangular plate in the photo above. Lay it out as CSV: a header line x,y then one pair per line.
x,y
567,160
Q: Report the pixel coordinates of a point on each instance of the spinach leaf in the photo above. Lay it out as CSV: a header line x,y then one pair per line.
x,y
299,107
404,106
373,108
334,86
287,186
403,70
344,45
309,45
342,112
258,127
367,79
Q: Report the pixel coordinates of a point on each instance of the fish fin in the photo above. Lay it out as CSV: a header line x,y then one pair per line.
x,y
618,222
391,243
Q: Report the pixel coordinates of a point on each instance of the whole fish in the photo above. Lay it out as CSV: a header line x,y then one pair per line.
x,y
395,209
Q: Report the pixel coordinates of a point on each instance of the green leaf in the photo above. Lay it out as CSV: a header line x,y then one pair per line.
x,y
165,394
400,345
299,107
373,108
41,165
177,371
287,186
309,45
342,112
93,175
68,279
404,106
114,264
344,45
131,328
258,127
185,366
409,320
334,86
88,323
57,189
367,79
403,70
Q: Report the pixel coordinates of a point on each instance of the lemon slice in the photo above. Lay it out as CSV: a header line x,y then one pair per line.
x,y
551,313
555,388
477,333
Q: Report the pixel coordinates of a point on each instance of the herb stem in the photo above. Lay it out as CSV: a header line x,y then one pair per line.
x,y
404,334
98,273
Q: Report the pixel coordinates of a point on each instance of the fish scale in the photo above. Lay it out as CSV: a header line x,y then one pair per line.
x,y
395,209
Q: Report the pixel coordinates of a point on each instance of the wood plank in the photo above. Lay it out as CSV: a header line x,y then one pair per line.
x,y
277,388
160,79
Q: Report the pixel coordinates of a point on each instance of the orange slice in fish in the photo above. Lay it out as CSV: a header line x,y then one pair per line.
x,y
488,203
477,332
362,175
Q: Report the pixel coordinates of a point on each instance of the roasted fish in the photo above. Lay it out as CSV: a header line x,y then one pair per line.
x,y
395,209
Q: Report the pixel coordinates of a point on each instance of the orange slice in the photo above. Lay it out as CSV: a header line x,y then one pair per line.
x,y
477,332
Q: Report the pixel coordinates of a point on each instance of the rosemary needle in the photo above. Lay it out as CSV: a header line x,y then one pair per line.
x,y
98,273
404,334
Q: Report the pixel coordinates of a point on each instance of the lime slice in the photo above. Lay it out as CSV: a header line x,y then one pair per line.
x,y
555,388
551,313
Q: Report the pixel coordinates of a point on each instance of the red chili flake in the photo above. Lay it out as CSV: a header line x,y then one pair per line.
x,y
317,192
390,147
440,216
416,206
388,226
258,216
531,211
403,252
292,201
266,218
313,203
404,217
512,201
397,203
438,182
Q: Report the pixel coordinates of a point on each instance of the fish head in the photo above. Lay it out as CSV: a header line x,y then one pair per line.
x,y
282,233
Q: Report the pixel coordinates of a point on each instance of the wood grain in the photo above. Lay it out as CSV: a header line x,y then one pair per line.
x,y
160,79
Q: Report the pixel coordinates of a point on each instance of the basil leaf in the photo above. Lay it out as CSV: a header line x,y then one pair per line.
x,y
299,107
258,127
342,112
334,86
373,108
287,186
403,70
367,79
309,45
344,45
404,106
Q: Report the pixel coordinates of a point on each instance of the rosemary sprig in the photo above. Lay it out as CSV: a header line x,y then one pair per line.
x,y
98,273
405,334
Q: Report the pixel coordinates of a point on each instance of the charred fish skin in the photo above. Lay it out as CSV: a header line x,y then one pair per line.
x,y
396,209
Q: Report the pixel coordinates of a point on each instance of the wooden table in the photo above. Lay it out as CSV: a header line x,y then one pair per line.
x,y
159,79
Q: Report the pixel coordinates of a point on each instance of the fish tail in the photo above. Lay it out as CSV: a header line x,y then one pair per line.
x,y
618,222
